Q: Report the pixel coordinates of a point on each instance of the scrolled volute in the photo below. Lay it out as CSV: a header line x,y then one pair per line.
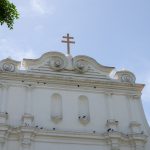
x,y
125,76
81,66
57,63
9,67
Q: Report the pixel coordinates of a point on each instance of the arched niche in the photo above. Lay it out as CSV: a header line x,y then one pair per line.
x,y
83,112
56,107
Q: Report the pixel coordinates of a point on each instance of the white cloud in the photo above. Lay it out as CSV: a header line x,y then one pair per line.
x,y
8,49
41,7
38,28
32,8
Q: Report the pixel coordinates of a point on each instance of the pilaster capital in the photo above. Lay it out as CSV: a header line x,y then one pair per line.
x,y
136,96
114,139
134,124
27,116
3,117
29,86
133,97
112,122
4,85
138,139
109,93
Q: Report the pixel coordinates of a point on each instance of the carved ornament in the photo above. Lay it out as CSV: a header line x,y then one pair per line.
x,y
9,65
125,76
57,63
81,66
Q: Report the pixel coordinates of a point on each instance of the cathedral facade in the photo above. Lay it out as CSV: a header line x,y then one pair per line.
x,y
61,102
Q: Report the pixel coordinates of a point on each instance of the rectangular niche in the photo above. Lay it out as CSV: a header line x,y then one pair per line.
x,y
83,106
56,108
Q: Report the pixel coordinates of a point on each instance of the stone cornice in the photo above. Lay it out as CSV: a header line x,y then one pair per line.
x,y
109,85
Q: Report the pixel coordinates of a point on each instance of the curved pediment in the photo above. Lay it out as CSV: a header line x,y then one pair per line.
x,y
58,62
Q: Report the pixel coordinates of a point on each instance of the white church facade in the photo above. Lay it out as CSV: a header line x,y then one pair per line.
x,y
60,102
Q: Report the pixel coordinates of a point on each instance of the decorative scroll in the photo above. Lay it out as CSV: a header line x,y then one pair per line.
x,y
81,66
8,67
57,63
125,76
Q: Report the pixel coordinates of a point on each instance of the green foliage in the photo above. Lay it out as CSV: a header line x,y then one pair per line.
x,y
8,13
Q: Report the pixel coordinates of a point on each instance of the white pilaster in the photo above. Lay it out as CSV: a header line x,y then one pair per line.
x,y
1,146
3,103
28,102
132,105
109,99
130,111
27,118
111,123
4,96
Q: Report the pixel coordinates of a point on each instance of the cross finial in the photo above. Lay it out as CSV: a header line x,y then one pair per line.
x,y
68,38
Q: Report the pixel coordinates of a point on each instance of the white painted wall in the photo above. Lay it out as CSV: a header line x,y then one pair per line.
x,y
122,108
41,109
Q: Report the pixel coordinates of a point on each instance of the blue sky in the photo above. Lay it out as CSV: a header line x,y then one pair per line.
x,y
114,32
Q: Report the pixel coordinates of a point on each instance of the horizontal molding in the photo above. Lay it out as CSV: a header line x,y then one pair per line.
x,y
96,84
50,136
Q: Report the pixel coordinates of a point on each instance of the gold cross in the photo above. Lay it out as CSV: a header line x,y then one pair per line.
x,y
68,38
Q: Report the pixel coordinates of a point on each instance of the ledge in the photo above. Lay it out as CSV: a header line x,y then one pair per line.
x,y
70,136
64,80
